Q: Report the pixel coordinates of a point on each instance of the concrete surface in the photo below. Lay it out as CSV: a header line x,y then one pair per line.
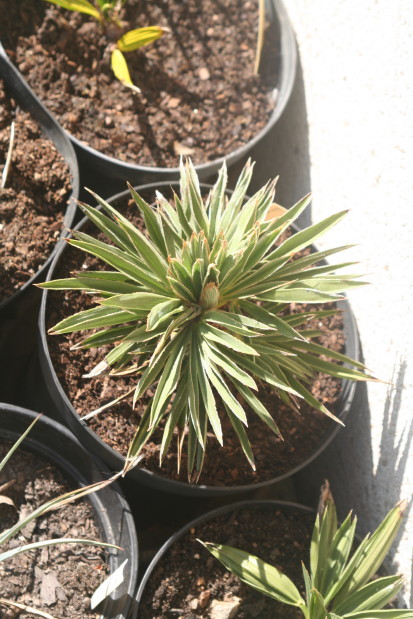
x,y
348,136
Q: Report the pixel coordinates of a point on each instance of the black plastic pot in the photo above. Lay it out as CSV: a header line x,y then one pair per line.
x,y
28,101
59,405
54,442
227,509
109,167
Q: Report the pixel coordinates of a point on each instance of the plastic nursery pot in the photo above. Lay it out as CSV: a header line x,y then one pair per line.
x,y
137,174
28,101
274,506
60,405
52,441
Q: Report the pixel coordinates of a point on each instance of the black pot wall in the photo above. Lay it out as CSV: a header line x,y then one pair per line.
x,y
54,442
58,404
109,167
28,101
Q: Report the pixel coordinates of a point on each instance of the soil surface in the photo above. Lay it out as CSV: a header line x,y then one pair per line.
x,y
34,200
188,579
57,580
199,95
303,433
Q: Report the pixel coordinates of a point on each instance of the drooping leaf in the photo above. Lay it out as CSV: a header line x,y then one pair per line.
x,y
257,574
121,71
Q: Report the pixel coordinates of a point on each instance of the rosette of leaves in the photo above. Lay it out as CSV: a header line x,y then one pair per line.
x,y
198,306
338,586
107,13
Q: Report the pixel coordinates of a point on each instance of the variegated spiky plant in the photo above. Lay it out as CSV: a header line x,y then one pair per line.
x,y
338,586
198,300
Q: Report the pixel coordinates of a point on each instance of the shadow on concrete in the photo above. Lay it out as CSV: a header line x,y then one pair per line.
x,y
357,482
285,153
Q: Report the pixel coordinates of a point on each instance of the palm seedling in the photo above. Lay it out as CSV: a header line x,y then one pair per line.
x,y
194,307
107,13
338,586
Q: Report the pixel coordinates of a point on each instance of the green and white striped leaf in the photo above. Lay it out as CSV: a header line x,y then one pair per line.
x,y
257,574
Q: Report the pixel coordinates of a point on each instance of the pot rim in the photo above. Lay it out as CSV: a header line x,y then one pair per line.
x,y
180,487
265,504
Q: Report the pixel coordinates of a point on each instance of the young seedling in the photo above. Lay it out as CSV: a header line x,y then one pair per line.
x,y
194,307
338,586
53,504
107,13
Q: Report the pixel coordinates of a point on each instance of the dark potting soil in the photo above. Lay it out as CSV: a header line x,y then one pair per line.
x,y
188,579
199,96
58,580
34,199
303,433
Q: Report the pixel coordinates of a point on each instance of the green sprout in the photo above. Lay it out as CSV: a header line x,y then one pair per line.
x,y
338,586
53,504
198,306
107,13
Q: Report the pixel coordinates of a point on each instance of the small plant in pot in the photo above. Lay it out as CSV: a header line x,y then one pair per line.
x,y
196,309
18,537
201,93
338,586
184,578
107,13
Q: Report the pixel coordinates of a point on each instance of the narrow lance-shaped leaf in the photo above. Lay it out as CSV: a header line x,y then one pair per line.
x,y
83,6
124,263
139,37
109,228
162,311
53,504
225,339
51,542
375,550
217,200
373,596
152,223
327,531
169,378
17,444
95,317
229,367
121,71
177,406
209,401
242,436
339,553
257,574
305,237
225,393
